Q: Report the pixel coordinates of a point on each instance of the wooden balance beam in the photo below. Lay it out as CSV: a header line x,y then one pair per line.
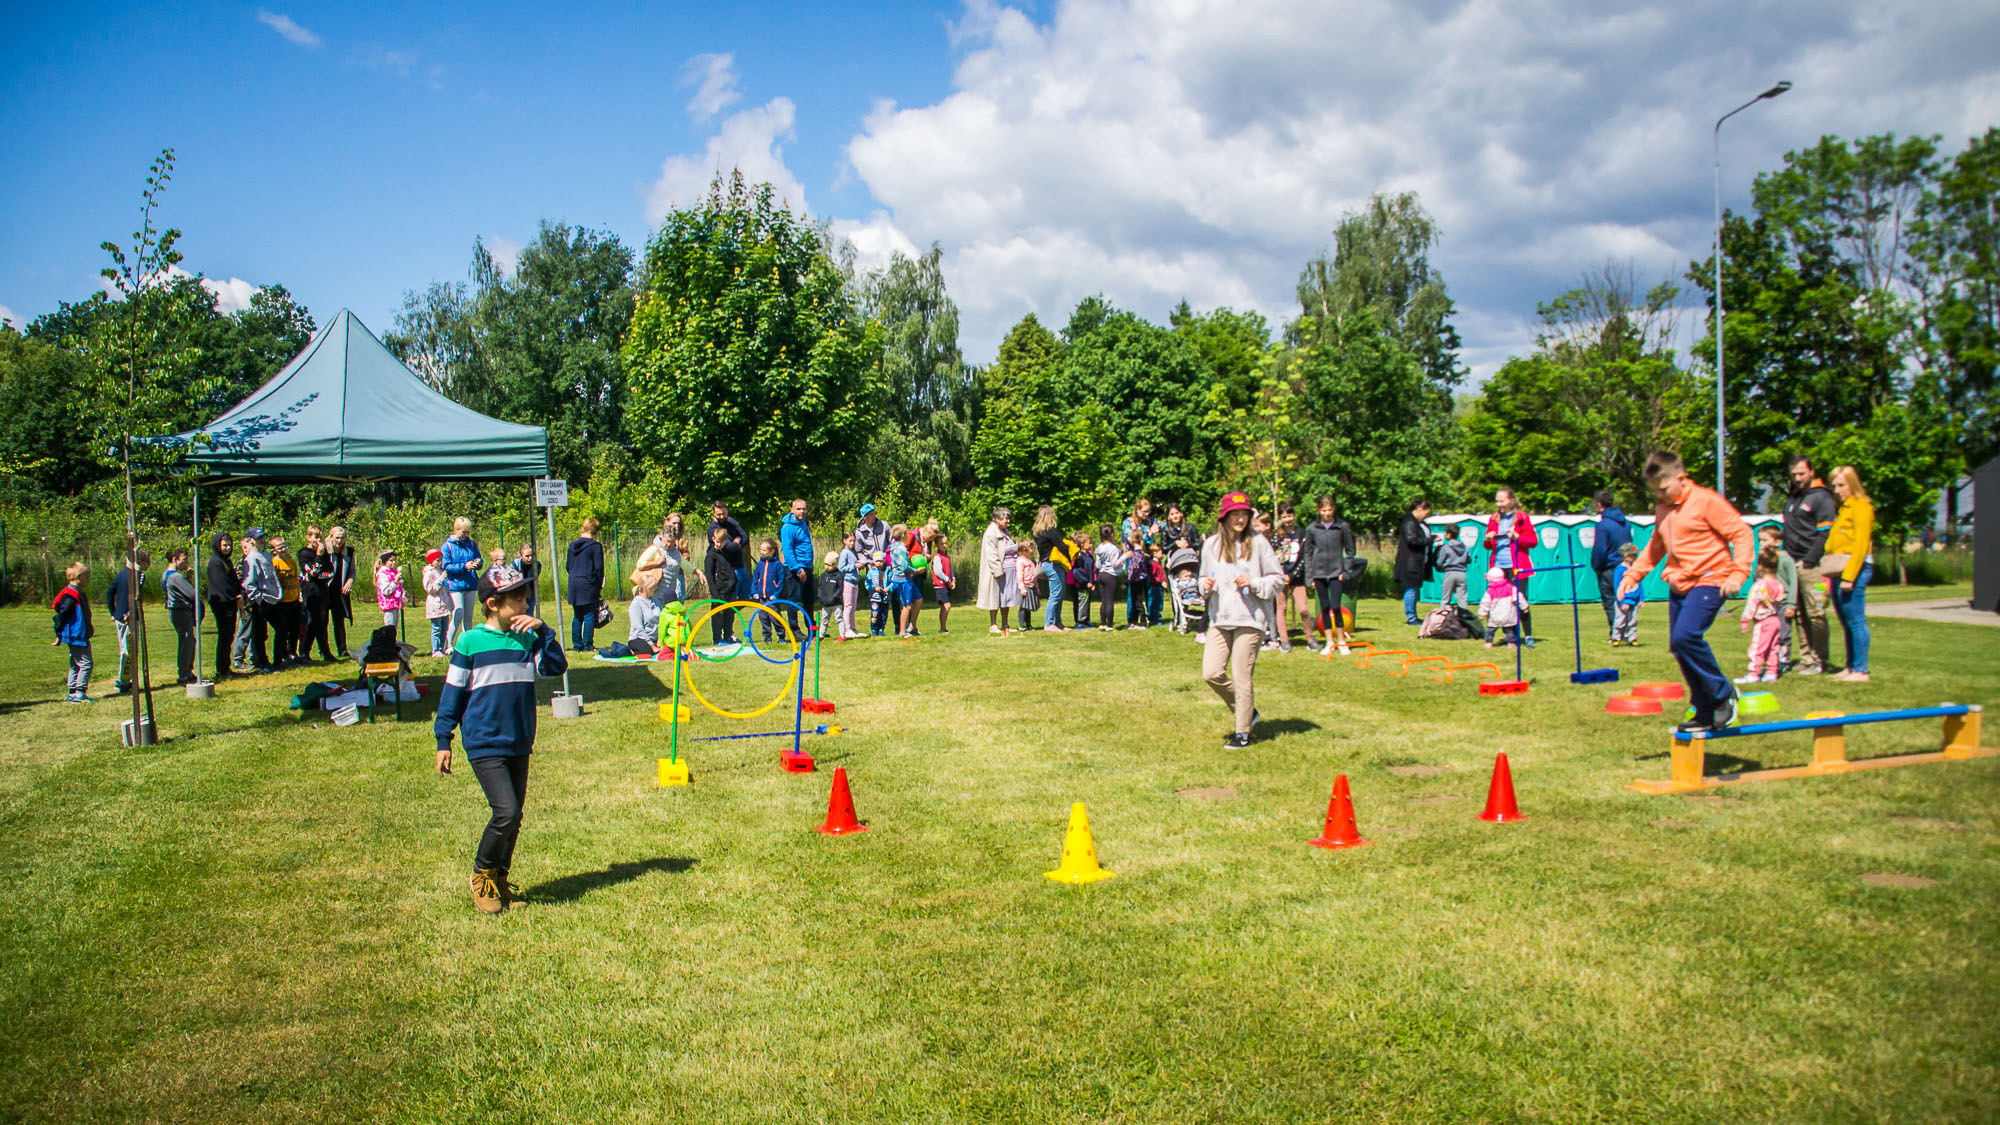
x,y
1961,742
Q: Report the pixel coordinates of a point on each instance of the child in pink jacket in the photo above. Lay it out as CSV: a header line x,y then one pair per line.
x,y
1501,607
1763,619
389,595
437,600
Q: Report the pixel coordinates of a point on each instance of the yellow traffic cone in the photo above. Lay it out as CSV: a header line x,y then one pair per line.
x,y
1079,858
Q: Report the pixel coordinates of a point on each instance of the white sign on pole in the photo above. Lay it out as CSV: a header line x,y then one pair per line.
x,y
551,493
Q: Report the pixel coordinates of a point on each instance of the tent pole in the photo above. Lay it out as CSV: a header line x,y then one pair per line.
x,y
199,601
555,575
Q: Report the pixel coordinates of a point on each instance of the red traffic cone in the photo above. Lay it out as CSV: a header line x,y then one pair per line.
x,y
1340,830
1500,806
840,808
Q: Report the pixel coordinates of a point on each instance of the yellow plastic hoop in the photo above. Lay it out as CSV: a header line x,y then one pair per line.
x,y
688,673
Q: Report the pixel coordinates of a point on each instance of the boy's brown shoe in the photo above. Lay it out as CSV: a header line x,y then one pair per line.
x,y
486,893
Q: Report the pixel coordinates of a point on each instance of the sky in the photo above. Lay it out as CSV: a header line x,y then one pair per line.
x,y
1150,150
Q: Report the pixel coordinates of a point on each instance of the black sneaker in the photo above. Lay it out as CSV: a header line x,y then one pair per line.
x,y
1725,712
1236,742
1694,726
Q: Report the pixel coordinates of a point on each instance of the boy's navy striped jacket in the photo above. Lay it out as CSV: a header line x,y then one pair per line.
x,y
489,691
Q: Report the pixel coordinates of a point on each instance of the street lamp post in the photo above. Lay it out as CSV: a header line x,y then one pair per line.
x,y
1720,429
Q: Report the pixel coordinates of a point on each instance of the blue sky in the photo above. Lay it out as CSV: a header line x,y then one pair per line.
x,y
1146,150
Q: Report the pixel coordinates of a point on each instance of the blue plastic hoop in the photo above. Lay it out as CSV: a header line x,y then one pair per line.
x,y
751,641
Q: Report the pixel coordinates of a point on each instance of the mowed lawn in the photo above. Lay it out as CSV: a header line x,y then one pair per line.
x,y
263,920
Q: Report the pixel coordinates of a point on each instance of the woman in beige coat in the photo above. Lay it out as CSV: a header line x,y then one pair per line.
x,y
996,577
1242,577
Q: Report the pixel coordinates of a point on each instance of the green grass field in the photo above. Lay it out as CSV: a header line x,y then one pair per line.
x,y
263,920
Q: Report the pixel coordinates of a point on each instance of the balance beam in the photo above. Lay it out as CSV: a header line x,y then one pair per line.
x,y
1960,742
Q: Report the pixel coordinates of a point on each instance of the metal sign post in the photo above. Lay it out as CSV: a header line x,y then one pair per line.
x,y
550,495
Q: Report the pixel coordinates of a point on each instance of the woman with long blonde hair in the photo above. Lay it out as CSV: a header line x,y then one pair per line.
x,y
1054,548
1849,566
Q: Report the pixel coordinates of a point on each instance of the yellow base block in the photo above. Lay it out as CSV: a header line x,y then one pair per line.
x,y
667,713
674,773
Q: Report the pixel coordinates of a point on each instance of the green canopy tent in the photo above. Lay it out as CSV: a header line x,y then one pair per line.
x,y
345,409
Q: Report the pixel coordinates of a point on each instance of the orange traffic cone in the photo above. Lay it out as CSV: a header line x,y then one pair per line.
x,y
840,808
1340,831
1500,806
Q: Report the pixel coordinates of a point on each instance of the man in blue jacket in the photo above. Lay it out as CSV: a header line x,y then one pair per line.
x,y
1613,532
118,600
795,550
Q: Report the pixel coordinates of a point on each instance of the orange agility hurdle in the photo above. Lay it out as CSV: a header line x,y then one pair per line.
x,y
1492,671
1363,662
1352,646
1413,661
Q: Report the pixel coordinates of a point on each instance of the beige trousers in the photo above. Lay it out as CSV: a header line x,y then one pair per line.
x,y
1228,662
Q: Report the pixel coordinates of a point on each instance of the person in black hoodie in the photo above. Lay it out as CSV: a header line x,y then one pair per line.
x,y
315,590
1413,556
583,566
1612,533
1329,543
118,601
221,587
720,570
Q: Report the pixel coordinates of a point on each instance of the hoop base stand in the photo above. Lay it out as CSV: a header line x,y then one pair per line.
x,y
796,761
674,772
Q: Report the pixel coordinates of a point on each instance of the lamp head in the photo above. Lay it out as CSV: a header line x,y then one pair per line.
x,y
1775,90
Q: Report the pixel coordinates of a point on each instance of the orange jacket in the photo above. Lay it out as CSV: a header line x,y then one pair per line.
x,y
1703,540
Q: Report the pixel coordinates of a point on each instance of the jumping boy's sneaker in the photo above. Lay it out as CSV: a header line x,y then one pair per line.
x,y
1725,712
486,893
1693,726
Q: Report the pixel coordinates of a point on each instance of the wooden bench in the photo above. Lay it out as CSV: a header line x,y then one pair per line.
x,y
1961,742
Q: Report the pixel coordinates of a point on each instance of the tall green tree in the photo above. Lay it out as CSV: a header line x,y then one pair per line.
x,y
1600,393
1381,265
1035,444
1155,388
751,376
1957,251
925,445
549,336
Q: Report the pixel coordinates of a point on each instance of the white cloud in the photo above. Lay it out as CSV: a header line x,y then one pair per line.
x,y
506,254
7,317
1207,148
231,296
875,241
714,79
747,140
285,26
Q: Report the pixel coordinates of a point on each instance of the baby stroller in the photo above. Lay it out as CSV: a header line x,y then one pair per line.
x,y
1190,604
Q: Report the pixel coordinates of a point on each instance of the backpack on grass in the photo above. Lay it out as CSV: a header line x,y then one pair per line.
x,y
1444,624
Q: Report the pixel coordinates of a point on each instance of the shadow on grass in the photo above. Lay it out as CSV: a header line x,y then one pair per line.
x,y
569,888
618,681
1713,762
13,705
1272,728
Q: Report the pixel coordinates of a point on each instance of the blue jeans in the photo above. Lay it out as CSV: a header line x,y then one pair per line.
x,y
1688,617
1852,605
582,626
1410,604
438,628
1052,610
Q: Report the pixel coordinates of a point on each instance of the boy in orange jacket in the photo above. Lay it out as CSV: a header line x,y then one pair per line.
x,y
1708,551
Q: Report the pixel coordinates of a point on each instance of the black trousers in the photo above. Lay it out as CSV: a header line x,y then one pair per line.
x,y
1328,592
262,616
341,608
1608,594
222,611
505,780
286,617
315,628
184,626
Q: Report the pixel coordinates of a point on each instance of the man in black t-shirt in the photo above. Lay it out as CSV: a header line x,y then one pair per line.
x,y
1809,512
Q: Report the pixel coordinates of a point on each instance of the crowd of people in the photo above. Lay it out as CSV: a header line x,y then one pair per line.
x,y
271,608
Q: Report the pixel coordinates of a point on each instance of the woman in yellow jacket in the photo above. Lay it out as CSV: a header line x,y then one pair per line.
x,y
1852,535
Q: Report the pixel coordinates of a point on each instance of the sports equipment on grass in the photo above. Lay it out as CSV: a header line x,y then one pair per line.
x,y
1079,854
840,819
1500,806
1340,830
1961,742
